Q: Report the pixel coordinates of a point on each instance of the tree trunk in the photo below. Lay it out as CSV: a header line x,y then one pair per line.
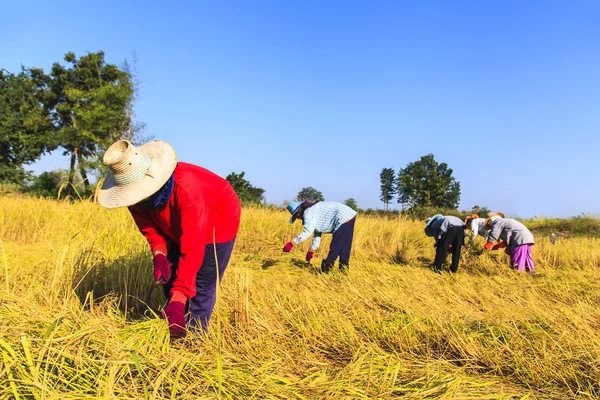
x,y
86,181
72,171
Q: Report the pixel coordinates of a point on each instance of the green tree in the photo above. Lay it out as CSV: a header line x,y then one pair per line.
x,y
481,211
26,131
351,203
427,183
91,102
388,187
244,189
309,194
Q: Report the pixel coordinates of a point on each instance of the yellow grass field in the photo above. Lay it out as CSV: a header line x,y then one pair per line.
x,y
76,319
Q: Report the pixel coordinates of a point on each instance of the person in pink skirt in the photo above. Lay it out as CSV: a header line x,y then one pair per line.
x,y
515,237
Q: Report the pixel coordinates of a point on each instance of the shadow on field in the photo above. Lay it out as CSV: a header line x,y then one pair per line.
x,y
268,263
128,279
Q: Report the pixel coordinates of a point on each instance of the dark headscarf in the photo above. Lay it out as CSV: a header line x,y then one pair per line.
x,y
161,197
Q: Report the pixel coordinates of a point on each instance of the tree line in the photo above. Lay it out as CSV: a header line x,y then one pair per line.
x,y
85,104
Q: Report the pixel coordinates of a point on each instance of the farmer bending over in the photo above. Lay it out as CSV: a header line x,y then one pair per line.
x,y
325,217
477,227
449,235
181,209
515,237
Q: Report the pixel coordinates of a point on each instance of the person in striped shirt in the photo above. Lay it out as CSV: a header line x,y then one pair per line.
x,y
324,217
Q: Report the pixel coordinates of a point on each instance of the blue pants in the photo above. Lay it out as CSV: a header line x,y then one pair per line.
x,y
341,243
202,304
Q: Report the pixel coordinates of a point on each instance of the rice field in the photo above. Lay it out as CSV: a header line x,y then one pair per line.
x,y
78,316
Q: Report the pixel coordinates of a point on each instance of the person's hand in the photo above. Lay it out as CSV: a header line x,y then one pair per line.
x,y
162,269
174,314
309,255
488,246
288,247
500,245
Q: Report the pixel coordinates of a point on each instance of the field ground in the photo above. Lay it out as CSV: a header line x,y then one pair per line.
x,y
75,280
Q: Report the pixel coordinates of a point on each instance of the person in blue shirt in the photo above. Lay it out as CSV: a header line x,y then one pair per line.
x,y
325,217
449,235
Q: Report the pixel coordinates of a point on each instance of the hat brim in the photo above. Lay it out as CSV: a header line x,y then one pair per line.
x,y
163,161
293,217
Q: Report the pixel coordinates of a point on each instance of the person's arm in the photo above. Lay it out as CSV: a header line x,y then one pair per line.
x,y
442,229
309,227
473,235
316,241
153,234
493,236
192,244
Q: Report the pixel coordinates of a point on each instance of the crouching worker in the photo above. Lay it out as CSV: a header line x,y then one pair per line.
x,y
515,237
325,217
186,213
449,235
477,227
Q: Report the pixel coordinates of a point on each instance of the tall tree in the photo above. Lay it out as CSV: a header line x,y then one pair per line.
x,y
26,131
351,203
309,194
427,183
244,189
388,186
91,101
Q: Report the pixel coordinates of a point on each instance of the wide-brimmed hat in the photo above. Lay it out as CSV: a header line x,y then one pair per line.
x,y
431,220
491,218
293,208
470,218
136,173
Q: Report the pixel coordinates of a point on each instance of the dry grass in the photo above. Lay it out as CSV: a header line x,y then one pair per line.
x,y
74,322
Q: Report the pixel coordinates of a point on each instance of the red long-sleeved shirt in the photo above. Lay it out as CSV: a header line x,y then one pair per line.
x,y
201,201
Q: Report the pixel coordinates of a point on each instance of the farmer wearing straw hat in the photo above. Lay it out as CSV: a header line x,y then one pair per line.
x,y
188,214
515,237
477,227
325,217
449,235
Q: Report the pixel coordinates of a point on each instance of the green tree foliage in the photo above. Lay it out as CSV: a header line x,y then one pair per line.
x,y
351,203
47,184
309,194
26,131
244,189
481,211
388,187
91,102
427,183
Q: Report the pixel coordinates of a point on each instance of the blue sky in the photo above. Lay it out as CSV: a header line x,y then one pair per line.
x,y
326,94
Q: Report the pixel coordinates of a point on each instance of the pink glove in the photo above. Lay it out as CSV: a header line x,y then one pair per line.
x,y
174,314
309,255
288,247
162,269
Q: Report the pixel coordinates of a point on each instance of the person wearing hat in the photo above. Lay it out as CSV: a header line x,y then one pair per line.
x,y
515,237
325,217
477,227
449,235
188,214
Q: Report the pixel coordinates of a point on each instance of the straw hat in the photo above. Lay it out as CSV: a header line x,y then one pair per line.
x,y
136,172
491,218
470,218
